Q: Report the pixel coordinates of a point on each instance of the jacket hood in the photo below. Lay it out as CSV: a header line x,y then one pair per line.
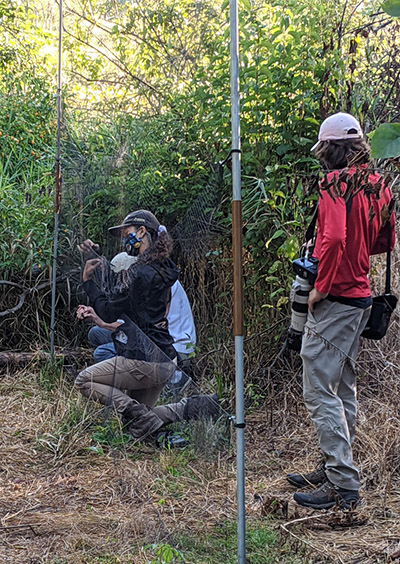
x,y
167,269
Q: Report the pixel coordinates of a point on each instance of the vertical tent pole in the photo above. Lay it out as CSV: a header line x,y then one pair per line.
x,y
58,189
238,282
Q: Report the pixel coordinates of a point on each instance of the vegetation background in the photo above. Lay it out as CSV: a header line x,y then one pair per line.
x,y
146,117
146,123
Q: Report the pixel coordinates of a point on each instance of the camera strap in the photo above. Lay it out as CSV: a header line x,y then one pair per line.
x,y
311,228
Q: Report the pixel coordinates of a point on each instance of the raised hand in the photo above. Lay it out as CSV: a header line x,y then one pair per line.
x,y
88,249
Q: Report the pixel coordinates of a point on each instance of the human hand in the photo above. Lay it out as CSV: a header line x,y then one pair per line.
x,y
88,249
314,298
90,267
87,313
80,312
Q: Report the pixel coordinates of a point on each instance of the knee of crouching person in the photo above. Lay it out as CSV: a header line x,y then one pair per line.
x,y
81,379
95,335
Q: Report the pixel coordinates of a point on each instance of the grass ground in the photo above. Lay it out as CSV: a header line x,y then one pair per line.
x,y
74,491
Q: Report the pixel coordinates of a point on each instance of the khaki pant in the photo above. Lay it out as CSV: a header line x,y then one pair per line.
x,y
120,380
329,350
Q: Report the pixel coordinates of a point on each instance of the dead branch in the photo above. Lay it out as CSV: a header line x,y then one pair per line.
x,y
21,297
26,291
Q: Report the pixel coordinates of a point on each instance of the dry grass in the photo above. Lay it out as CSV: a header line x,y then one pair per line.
x,y
282,440
59,499
61,502
369,535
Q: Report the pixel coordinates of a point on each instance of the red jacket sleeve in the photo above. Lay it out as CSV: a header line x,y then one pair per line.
x,y
331,233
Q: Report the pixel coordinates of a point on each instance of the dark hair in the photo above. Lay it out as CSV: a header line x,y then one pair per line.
x,y
342,153
160,247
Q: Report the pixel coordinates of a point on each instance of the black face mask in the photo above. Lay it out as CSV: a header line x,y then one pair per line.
x,y
131,244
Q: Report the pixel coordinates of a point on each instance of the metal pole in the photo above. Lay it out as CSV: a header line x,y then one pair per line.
x,y
58,189
238,282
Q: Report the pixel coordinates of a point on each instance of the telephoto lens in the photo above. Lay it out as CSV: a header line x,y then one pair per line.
x,y
299,303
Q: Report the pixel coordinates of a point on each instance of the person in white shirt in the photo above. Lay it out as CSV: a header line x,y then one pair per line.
x,y
180,324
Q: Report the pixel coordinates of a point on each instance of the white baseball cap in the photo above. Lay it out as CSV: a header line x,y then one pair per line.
x,y
339,126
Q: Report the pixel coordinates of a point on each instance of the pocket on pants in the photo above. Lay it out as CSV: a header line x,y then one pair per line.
x,y
158,373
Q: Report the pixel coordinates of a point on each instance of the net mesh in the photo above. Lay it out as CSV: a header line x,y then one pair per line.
x,y
193,417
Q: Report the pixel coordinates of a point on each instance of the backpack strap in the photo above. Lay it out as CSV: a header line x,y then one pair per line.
x,y
388,261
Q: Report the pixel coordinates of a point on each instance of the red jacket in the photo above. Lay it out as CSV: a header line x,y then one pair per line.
x,y
344,245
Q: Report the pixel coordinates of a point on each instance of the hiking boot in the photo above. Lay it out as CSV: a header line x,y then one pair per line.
x,y
313,478
328,495
202,407
141,421
133,411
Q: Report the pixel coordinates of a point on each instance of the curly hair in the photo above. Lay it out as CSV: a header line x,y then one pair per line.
x,y
337,154
160,247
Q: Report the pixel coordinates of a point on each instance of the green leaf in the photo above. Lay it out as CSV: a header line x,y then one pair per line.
x,y
96,450
392,7
283,300
276,292
271,279
246,4
277,234
283,148
385,141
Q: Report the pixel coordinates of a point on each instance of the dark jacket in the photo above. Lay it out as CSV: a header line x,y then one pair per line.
x,y
144,334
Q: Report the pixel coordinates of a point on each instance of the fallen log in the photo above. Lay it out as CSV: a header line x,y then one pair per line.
x,y
18,358
21,357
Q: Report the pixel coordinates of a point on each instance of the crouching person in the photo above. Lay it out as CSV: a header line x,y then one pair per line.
x,y
146,360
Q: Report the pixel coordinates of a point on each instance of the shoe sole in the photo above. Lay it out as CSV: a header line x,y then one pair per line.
x,y
346,505
316,506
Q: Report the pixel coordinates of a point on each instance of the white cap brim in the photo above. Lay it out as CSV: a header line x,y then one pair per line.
x,y
315,146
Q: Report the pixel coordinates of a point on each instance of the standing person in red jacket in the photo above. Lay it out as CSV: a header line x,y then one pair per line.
x,y
353,221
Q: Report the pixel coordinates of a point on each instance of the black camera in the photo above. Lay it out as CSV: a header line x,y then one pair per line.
x,y
306,270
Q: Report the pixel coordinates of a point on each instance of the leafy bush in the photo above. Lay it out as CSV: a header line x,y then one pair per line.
x,y
147,111
26,179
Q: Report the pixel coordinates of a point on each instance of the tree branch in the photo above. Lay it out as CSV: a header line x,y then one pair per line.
x,y
26,291
21,299
85,18
118,64
101,80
